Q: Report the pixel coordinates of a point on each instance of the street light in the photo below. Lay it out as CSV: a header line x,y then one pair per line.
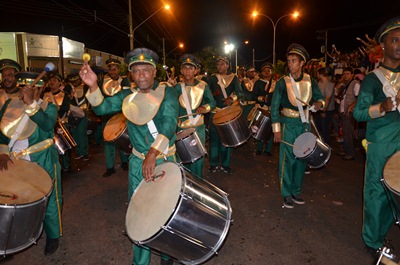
x,y
274,24
132,35
228,47
179,46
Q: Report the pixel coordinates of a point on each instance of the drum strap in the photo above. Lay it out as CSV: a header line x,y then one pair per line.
x,y
193,120
303,116
154,132
387,87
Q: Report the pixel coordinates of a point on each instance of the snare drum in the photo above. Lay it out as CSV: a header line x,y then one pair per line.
x,y
311,150
116,131
24,189
391,178
188,219
63,139
189,146
231,126
261,120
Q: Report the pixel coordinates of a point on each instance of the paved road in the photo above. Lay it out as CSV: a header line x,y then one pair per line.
x,y
326,230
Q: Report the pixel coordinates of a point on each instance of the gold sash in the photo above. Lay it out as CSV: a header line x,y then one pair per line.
x,y
195,94
139,108
226,79
304,87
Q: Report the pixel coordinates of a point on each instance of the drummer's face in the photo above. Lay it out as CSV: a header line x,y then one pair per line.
x,y
113,71
9,82
294,64
222,67
143,75
188,72
54,83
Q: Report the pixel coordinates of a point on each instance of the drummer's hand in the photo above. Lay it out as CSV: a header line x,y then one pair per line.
x,y
88,76
201,110
4,158
387,105
317,105
228,101
26,94
277,137
149,163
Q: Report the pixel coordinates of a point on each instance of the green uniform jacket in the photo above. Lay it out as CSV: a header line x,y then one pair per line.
x,y
216,91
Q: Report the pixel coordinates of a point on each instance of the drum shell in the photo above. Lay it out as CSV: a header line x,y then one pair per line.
x,y
311,150
189,146
198,226
391,179
23,222
262,121
233,131
63,140
24,191
116,131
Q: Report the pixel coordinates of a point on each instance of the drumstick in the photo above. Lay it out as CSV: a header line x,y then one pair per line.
x,y
303,102
294,146
187,115
49,67
86,59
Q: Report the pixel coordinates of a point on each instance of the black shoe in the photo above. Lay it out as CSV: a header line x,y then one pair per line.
x,y
348,157
124,166
51,246
78,157
267,154
6,258
258,153
298,200
86,157
226,169
213,169
166,262
287,202
373,252
109,172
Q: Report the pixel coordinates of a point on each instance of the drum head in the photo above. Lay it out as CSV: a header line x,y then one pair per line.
x,y
24,182
153,203
114,127
391,172
227,114
184,133
305,144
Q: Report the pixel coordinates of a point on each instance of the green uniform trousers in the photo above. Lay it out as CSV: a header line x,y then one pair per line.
x,y
109,153
268,145
218,152
141,255
291,170
377,215
80,136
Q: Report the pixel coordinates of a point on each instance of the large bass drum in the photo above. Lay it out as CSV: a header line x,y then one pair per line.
x,y
231,126
188,219
116,131
24,189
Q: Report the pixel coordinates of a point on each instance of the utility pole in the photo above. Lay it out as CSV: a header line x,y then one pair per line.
x,y
163,49
254,55
130,25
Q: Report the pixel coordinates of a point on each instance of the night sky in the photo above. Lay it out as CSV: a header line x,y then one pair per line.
x,y
103,24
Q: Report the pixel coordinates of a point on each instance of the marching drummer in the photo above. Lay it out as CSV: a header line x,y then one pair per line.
x,y
378,104
111,84
152,113
24,138
226,90
262,94
78,105
58,98
290,118
194,97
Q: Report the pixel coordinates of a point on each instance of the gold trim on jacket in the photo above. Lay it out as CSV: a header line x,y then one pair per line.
x,y
304,88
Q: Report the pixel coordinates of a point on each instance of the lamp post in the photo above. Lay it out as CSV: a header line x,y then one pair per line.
x,y
179,46
132,32
236,54
274,24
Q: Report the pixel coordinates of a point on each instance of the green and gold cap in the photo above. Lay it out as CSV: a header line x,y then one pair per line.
x,y
223,58
73,76
295,48
267,65
113,62
54,75
26,78
189,59
141,56
389,25
8,63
